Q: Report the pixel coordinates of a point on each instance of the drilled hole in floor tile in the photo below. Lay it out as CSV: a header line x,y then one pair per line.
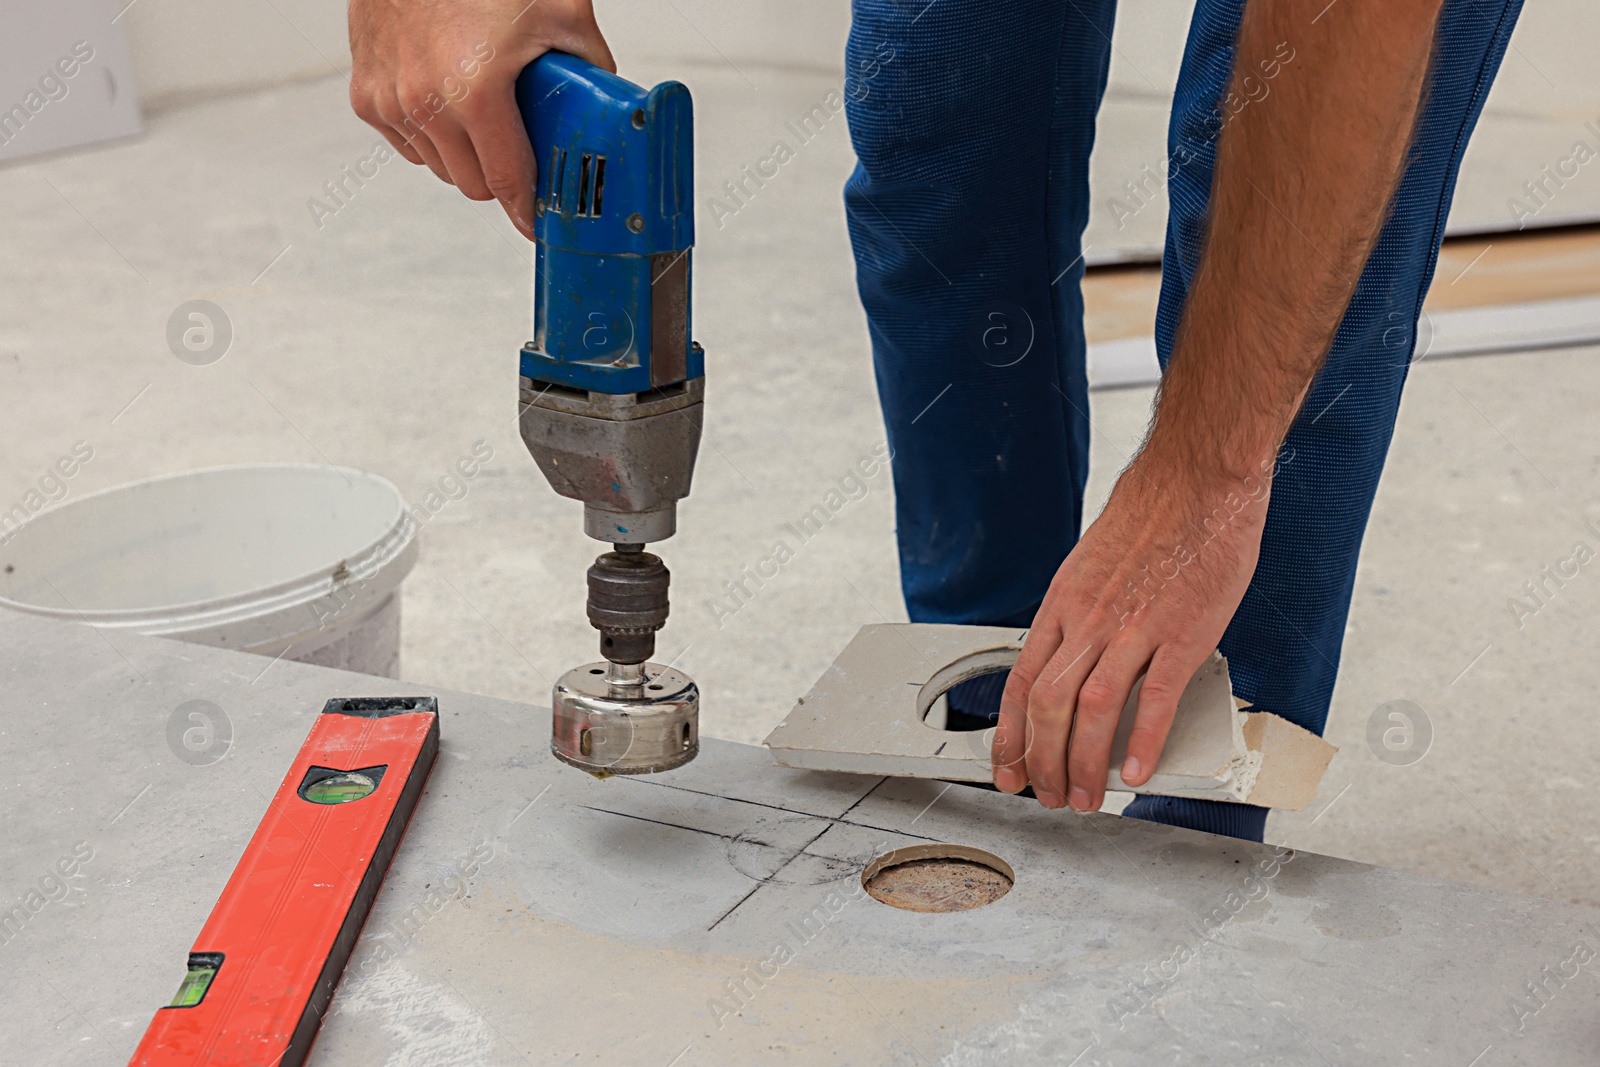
x,y
933,878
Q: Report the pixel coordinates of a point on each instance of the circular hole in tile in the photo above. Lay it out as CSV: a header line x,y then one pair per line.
x,y
932,878
933,706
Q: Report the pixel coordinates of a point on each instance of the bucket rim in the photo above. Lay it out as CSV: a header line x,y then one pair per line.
x,y
397,543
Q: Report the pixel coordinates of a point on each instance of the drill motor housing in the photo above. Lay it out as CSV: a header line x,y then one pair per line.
x,y
612,382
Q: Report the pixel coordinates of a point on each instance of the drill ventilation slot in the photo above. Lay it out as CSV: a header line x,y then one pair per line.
x,y
591,182
599,183
558,174
590,166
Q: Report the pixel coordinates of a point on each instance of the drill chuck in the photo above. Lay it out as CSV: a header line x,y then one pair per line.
x,y
628,602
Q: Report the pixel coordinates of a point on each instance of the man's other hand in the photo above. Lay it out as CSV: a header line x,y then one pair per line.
x,y
437,78
1147,591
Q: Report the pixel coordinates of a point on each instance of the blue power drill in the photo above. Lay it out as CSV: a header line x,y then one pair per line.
x,y
612,386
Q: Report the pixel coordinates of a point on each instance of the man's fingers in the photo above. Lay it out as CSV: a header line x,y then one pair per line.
x,y
459,156
411,155
1100,704
1011,736
1010,747
494,122
364,100
1170,671
1051,704
412,127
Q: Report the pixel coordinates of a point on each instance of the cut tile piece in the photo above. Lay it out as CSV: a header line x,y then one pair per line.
x,y
867,715
1292,760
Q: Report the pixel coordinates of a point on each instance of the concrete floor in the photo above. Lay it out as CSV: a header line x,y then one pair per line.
x,y
385,338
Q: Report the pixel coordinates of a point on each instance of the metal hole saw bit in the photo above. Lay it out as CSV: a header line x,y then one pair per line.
x,y
612,387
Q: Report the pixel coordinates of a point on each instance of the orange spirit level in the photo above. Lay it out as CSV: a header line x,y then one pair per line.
x,y
263,969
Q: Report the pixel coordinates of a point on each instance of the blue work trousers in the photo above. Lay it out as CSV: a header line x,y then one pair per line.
x,y
972,124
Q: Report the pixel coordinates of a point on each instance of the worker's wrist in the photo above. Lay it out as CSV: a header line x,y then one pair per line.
x,y
1213,452
1230,392
1192,492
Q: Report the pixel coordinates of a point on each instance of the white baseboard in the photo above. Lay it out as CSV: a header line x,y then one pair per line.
x,y
1493,330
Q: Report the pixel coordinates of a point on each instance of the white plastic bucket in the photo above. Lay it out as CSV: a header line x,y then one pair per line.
x,y
289,559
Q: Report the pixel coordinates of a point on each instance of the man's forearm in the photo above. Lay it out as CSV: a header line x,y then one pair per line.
x,y
1302,182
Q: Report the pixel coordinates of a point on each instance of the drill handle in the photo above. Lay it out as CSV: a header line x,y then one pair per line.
x,y
615,161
